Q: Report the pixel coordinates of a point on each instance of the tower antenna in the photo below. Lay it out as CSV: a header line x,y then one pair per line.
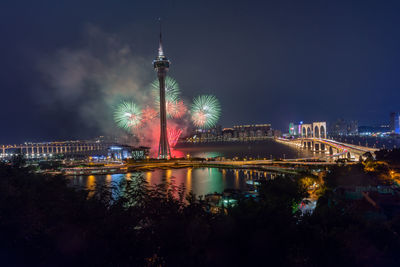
x,y
160,49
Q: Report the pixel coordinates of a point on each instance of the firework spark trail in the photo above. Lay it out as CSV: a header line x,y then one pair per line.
x,y
127,115
172,90
205,111
173,136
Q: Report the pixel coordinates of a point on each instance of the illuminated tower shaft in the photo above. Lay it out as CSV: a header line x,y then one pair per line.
x,y
161,65
163,150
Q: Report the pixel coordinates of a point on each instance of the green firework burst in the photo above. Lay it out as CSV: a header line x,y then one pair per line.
x,y
127,115
172,90
205,111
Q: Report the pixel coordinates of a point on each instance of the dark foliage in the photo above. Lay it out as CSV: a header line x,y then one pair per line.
x,y
43,222
391,156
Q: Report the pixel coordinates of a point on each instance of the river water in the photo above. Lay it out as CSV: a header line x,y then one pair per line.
x,y
258,149
205,180
201,181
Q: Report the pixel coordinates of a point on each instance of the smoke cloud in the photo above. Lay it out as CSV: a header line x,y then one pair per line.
x,y
94,77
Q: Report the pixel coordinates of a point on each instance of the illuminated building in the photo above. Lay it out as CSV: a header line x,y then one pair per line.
x,y
122,152
227,133
395,122
381,130
161,65
252,130
249,132
295,129
291,128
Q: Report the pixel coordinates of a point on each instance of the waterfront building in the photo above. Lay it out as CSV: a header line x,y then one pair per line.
x,y
227,133
248,132
123,152
252,130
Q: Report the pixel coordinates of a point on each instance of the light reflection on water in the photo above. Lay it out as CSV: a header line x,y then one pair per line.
x,y
205,180
201,180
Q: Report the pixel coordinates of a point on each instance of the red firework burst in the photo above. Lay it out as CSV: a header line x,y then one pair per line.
x,y
148,114
171,108
199,118
176,109
181,109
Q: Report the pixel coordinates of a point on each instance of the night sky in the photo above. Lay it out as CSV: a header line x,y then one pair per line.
x,y
63,63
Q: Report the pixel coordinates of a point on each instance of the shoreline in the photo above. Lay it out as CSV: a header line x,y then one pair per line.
x,y
282,166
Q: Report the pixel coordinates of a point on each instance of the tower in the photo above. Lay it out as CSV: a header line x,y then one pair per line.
x,y
161,65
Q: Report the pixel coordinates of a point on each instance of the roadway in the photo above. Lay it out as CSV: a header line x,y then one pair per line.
x,y
342,148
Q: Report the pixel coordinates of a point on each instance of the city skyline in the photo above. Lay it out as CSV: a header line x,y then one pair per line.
x,y
274,63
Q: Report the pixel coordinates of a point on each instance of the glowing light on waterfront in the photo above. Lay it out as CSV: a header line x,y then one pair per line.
x,y
189,180
127,115
205,111
108,179
168,175
237,179
148,177
91,185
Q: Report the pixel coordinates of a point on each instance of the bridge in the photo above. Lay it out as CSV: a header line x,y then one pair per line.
x,y
49,149
313,137
329,148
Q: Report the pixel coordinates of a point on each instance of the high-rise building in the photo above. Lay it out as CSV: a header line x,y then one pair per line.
x,y
292,128
161,65
252,130
352,128
339,127
295,129
395,122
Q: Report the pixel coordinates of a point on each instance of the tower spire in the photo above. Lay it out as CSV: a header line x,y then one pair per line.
x,y
160,49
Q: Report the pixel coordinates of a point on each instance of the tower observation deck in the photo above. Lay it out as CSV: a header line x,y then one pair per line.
x,y
161,65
